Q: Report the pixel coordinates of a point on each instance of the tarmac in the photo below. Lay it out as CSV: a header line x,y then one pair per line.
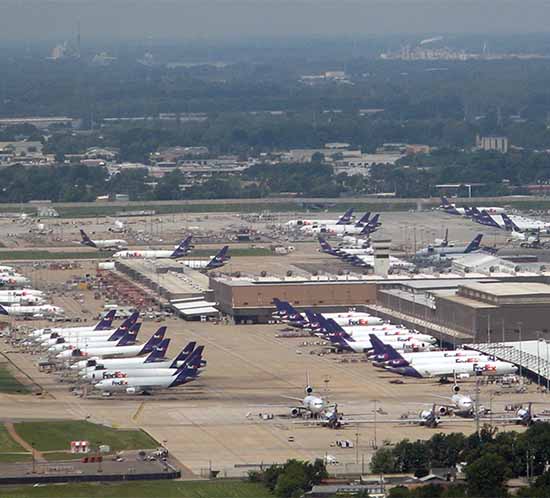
x,y
215,422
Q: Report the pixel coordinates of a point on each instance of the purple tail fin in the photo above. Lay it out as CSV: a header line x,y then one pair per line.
x,y
346,217
86,241
190,368
364,219
182,249
153,340
106,322
184,354
378,346
129,337
158,352
392,353
219,259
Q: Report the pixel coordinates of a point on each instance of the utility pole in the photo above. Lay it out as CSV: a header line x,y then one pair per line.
x,y
357,444
478,430
375,423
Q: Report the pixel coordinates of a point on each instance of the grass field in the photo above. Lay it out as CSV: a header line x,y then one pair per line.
x,y
46,255
10,451
9,384
143,489
223,207
233,251
56,436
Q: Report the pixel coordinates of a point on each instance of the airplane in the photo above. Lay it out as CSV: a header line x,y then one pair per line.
x,y
216,261
128,337
118,227
102,245
522,224
96,369
325,324
120,350
157,355
460,368
74,334
8,297
157,369
384,355
344,320
12,280
187,372
524,416
451,208
313,406
342,340
367,261
342,251
356,229
103,324
444,242
343,220
352,242
39,310
287,313
181,250
21,292
389,333
525,240
444,252
461,405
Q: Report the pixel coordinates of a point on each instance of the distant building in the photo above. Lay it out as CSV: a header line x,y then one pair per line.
x,y
492,142
39,122
361,164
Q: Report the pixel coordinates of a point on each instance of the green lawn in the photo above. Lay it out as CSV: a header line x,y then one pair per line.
x,y
14,458
143,489
233,251
45,255
9,384
41,255
56,436
10,451
61,455
223,207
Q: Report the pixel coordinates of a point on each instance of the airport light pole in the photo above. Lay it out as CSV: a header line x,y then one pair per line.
x,y
538,359
375,423
33,458
518,331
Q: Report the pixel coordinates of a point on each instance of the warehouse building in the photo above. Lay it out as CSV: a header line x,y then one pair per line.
x,y
251,301
482,310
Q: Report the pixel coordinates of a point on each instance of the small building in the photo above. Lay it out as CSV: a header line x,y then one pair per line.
x,y
492,142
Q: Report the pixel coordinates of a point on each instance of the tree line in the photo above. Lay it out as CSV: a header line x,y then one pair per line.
x,y
489,460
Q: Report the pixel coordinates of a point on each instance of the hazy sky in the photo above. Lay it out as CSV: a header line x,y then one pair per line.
x,y
135,19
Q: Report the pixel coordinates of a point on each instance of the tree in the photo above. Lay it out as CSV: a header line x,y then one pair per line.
x,y
399,492
317,158
383,462
485,477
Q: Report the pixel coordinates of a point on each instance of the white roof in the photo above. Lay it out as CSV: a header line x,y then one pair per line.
x,y
207,310
187,300
193,305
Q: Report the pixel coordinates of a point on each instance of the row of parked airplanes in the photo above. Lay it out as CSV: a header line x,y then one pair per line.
x,y
396,349
15,300
524,230
112,360
180,251
392,347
